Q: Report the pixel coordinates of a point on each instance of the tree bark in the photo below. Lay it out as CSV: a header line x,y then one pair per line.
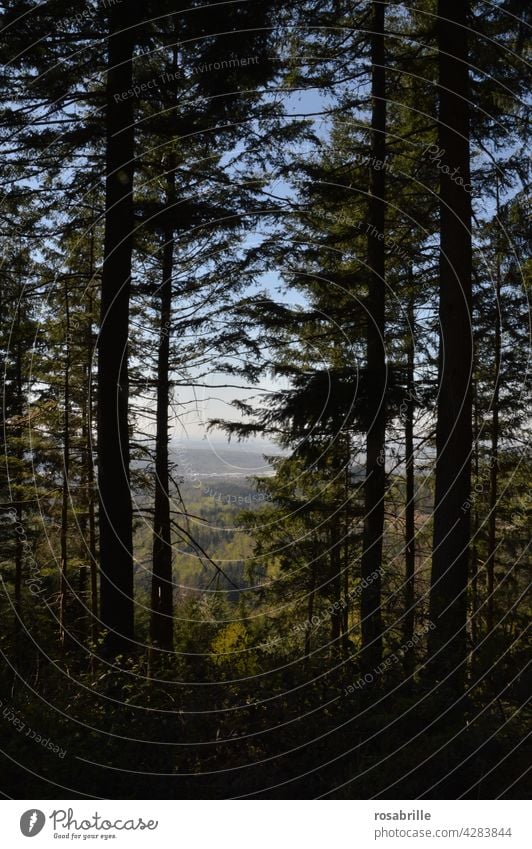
x,y
162,603
410,506
336,587
19,452
475,528
115,515
370,602
63,584
310,613
93,553
494,458
448,595
162,585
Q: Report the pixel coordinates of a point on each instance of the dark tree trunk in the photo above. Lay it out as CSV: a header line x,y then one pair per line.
x,y
115,516
370,602
90,595
494,458
162,602
310,614
347,549
345,582
162,586
19,451
89,451
92,552
63,587
410,506
474,530
336,586
448,595
84,518
18,571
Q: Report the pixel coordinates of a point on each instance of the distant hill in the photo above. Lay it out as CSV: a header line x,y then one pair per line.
x,y
218,461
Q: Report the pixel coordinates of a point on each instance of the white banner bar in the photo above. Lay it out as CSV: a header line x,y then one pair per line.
x,y
266,824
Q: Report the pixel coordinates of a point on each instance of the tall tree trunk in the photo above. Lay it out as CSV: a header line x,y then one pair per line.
x,y
116,535
84,517
89,593
89,459
335,548
346,561
370,602
19,453
448,594
475,528
494,458
410,506
347,548
63,587
162,625
310,612
162,607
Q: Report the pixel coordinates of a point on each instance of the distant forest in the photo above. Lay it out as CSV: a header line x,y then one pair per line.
x,y
265,485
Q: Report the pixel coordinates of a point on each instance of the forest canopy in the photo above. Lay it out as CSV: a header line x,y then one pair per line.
x,y
265,483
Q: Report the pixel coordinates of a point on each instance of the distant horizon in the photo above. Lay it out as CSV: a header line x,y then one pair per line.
x,y
252,445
